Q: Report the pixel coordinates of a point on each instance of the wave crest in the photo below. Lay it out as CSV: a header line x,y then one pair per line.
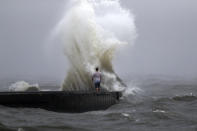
x,y
91,32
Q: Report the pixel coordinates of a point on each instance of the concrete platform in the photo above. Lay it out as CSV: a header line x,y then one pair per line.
x,y
61,101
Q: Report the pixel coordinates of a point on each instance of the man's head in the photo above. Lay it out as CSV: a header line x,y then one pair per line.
x,y
96,68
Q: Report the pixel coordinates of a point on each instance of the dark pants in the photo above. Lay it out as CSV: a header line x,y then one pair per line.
x,y
97,85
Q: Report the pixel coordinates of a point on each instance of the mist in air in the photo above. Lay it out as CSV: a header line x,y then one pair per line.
x,y
166,42
147,49
90,35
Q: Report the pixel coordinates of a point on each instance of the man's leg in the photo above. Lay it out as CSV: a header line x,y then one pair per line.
x,y
97,87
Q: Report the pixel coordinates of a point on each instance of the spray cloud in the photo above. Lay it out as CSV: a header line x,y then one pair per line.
x,y
91,31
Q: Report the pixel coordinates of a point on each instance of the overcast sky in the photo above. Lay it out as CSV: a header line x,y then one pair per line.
x,y
166,42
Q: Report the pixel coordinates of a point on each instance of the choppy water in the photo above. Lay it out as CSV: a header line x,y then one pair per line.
x,y
165,105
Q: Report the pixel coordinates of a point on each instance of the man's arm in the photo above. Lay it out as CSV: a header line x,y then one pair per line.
x,y
100,77
93,77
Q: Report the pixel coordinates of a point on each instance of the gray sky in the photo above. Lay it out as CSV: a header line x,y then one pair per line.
x,y
166,43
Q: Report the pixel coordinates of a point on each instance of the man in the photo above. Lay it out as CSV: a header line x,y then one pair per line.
x,y
96,78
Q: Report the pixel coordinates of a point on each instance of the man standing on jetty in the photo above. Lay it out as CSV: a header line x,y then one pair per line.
x,y
96,78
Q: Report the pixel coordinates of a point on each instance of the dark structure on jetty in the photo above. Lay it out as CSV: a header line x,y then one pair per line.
x,y
61,101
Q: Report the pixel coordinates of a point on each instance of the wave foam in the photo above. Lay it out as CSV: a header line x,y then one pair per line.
x,y
91,31
23,86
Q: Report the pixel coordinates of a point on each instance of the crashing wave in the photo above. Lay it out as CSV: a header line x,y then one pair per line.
x,y
24,86
91,31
